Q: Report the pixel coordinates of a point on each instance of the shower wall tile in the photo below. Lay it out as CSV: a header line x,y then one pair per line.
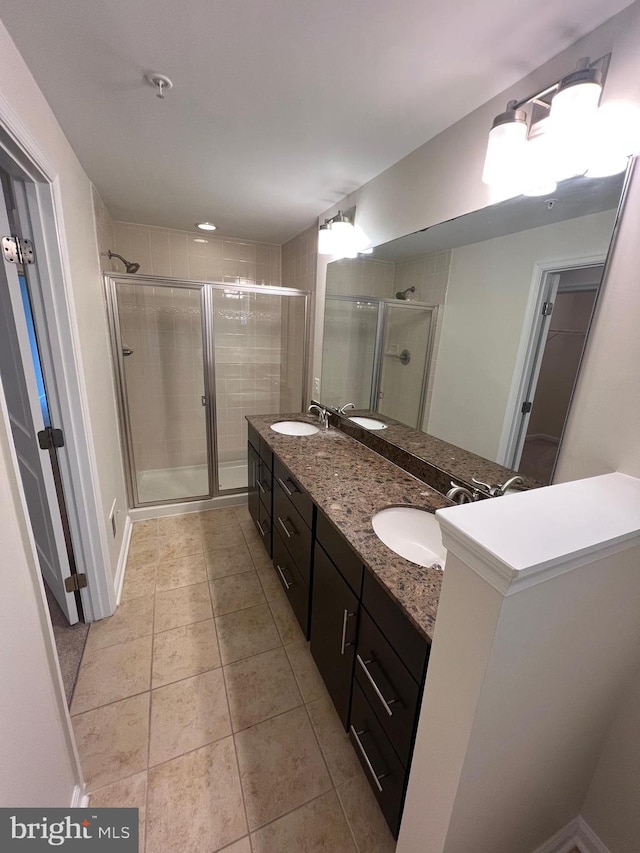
x,y
429,274
173,253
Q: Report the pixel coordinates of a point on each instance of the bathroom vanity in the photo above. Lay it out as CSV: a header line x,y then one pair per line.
x,y
369,614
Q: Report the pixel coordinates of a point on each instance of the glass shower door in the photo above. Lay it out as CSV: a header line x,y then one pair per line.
x,y
160,335
259,353
404,362
349,351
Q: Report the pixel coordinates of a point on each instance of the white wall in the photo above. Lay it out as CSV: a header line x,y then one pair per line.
x,y
38,765
487,316
19,90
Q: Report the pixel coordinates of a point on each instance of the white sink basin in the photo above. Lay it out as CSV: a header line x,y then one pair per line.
x,y
368,423
294,428
412,533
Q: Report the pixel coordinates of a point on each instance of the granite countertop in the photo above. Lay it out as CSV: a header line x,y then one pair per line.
x,y
428,457
350,483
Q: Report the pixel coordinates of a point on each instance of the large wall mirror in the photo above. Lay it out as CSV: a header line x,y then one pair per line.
x,y
473,330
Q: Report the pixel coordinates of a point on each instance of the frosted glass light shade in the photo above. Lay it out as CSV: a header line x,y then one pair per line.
x,y
327,243
505,150
576,102
615,136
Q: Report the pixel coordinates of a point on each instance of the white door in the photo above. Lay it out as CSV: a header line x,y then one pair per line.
x,y
20,387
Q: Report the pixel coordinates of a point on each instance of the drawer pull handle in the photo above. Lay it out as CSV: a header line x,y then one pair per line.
x,y
260,528
374,775
343,644
286,583
378,692
261,487
283,483
283,525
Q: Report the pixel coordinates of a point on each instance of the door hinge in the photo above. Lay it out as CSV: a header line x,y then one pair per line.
x,y
547,308
48,438
526,408
18,250
74,583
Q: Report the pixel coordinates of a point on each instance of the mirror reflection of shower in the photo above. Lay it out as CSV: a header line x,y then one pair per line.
x,y
130,266
402,294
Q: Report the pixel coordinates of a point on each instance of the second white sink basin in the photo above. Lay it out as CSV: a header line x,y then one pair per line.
x,y
368,423
294,428
412,533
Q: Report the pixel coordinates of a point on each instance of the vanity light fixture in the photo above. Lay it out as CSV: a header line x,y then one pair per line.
x,y
560,133
338,236
206,226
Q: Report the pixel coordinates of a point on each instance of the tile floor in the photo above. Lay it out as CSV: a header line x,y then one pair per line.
x,y
199,703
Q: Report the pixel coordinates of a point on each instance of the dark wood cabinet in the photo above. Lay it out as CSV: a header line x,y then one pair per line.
x,y
259,494
334,623
294,585
293,530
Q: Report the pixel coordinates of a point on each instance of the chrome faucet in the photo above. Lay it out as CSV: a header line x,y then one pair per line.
x,y
513,481
323,414
461,495
344,408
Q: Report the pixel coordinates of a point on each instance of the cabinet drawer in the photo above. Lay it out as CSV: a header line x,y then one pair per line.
x,y
254,437
292,489
381,765
391,690
410,645
294,532
266,454
264,485
263,526
342,554
296,589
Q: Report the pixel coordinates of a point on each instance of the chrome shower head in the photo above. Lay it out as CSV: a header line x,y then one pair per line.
x,y
130,267
402,294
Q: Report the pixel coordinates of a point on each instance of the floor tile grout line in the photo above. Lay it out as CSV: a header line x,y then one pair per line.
x,y
153,633
235,750
295,809
346,817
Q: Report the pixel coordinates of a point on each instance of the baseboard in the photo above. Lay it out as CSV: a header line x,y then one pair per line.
x,y
80,800
160,510
563,841
578,834
587,841
122,559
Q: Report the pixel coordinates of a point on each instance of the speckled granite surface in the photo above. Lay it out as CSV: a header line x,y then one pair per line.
x,y
350,483
429,458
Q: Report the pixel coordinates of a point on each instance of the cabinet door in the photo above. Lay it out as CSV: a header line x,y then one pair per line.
x,y
253,499
334,621
292,582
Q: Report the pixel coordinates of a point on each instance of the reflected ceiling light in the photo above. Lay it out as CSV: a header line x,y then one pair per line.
x,y
560,133
206,226
200,240
339,237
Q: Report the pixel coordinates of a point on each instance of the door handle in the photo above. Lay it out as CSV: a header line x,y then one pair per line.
x,y
283,525
375,776
378,692
343,644
286,583
260,527
261,487
285,487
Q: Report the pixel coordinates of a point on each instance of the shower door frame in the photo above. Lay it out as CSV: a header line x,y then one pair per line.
x,y
378,353
207,289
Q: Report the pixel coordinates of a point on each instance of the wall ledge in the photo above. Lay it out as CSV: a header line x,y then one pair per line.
x,y
521,540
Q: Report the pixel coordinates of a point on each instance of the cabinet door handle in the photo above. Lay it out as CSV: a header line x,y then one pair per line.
x,y
378,692
343,644
376,778
286,583
283,483
283,525
260,486
260,527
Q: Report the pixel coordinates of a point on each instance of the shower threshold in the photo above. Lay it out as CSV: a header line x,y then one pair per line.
x,y
166,484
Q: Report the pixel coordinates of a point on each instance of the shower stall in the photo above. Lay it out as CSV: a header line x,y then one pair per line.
x,y
376,354
192,359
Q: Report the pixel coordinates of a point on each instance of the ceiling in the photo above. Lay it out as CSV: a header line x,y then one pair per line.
x,y
279,107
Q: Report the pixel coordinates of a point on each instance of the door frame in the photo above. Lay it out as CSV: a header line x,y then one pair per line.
x,y
531,348
57,328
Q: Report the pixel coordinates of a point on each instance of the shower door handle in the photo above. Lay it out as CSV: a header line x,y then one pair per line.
x,y
203,400
127,351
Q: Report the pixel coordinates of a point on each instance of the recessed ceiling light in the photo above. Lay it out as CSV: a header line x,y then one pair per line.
x,y
206,226
199,240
